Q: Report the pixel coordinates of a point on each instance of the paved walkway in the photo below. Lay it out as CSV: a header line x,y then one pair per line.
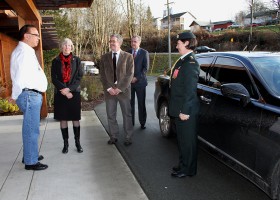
x,y
99,173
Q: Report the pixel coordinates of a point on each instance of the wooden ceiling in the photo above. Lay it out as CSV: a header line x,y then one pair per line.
x,y
9,19
53,4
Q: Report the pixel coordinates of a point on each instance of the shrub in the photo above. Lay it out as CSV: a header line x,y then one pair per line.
x,y
93,87
159,62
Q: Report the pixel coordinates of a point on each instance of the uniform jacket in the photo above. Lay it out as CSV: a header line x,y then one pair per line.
x,y
76,74
141,66
124,72
183,87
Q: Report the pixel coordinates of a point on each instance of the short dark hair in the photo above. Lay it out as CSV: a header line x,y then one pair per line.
x,y
24,30
192,43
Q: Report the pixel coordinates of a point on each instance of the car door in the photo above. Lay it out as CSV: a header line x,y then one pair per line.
x,y
225,124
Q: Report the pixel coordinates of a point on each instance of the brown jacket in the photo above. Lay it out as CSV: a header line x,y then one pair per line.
x,y
124,72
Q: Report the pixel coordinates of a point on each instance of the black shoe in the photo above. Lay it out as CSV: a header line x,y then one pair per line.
x,y
79,148
65,149
178,174
112,141
143,126
39,158
127,142
176,169
37,166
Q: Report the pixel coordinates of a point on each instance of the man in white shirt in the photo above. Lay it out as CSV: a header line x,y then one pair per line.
x,y
29,82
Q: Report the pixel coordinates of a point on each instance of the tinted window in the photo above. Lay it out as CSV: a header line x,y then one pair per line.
x,y
205,64
228,70
269,69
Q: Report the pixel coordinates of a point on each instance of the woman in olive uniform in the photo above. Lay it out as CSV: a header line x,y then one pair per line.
x,y
184,104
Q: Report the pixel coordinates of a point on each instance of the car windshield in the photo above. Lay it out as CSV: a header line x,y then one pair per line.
x,y
269,69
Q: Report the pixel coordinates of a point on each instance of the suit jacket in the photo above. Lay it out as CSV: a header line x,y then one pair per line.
x,y
183,87
124,72
76,74
141,63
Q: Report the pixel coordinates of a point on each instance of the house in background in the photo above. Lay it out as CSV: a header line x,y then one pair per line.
x,y
179,20
261,18
157,22
197,26
221,25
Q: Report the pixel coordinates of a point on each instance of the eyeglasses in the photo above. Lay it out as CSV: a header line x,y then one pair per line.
x,y
37,35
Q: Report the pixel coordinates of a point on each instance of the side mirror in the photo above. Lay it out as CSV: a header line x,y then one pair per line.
x,y
236,90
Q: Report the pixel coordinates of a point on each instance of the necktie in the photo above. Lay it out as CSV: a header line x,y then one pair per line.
x,y
115,66
134,54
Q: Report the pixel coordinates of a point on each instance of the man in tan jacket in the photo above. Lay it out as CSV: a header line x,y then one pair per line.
x,y
116,71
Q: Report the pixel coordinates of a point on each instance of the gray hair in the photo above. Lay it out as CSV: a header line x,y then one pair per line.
x,y
118,36
137,37
65,41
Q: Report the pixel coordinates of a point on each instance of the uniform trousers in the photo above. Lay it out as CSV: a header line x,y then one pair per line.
x,y
187,143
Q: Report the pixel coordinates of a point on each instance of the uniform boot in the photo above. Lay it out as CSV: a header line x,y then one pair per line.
x,y
65,137
77,138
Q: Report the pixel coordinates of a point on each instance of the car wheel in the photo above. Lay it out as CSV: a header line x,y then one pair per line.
x,y
164,120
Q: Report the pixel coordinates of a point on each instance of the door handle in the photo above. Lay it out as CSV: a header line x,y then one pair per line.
x,y
205,100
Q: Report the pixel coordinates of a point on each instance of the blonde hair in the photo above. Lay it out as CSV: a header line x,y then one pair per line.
x,y
65,41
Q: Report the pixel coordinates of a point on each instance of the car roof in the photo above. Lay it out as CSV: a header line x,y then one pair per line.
x,y
248,54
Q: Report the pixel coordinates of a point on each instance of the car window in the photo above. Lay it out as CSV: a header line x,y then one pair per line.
x,y
228,70
269,69
205,64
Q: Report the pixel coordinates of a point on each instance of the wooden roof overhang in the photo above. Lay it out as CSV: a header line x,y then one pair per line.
x,y
29,10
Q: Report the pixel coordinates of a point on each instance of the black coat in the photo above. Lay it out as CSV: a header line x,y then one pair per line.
x,y
76,74
183,92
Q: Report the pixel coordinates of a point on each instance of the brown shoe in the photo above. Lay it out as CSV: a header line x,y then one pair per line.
x,y
112,141
127,142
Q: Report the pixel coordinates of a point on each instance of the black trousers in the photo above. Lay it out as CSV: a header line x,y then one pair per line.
x,y
187,144
141,99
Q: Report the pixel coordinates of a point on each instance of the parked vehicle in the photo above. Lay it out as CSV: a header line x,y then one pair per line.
x,y
89,68
203,49
272,22
239,119
235,26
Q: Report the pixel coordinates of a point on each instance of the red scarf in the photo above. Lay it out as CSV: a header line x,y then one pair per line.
x,y
66,67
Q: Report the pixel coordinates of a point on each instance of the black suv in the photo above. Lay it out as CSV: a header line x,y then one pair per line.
x,y
239,119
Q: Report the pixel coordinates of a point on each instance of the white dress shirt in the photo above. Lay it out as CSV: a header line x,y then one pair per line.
x,y
26,71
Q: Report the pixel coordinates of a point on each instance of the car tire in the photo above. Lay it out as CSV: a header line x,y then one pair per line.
x,y
165,123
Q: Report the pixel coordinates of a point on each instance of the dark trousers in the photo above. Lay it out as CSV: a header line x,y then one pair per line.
x,y
187,144
141,99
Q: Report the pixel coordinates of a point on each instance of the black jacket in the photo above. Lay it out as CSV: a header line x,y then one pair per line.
x,y
76,74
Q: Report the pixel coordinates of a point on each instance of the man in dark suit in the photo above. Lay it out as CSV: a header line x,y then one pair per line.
x,y
139,81
116,72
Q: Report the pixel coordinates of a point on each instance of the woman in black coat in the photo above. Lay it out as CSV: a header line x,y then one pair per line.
x,y
184,104
66,75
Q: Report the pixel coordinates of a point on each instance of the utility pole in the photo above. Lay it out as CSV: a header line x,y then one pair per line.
x,y
251,27
169,40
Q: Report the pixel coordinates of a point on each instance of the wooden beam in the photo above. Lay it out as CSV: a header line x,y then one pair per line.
x,y
9,22
26,9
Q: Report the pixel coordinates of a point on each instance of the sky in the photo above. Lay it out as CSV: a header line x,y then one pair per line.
x,y
203,10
